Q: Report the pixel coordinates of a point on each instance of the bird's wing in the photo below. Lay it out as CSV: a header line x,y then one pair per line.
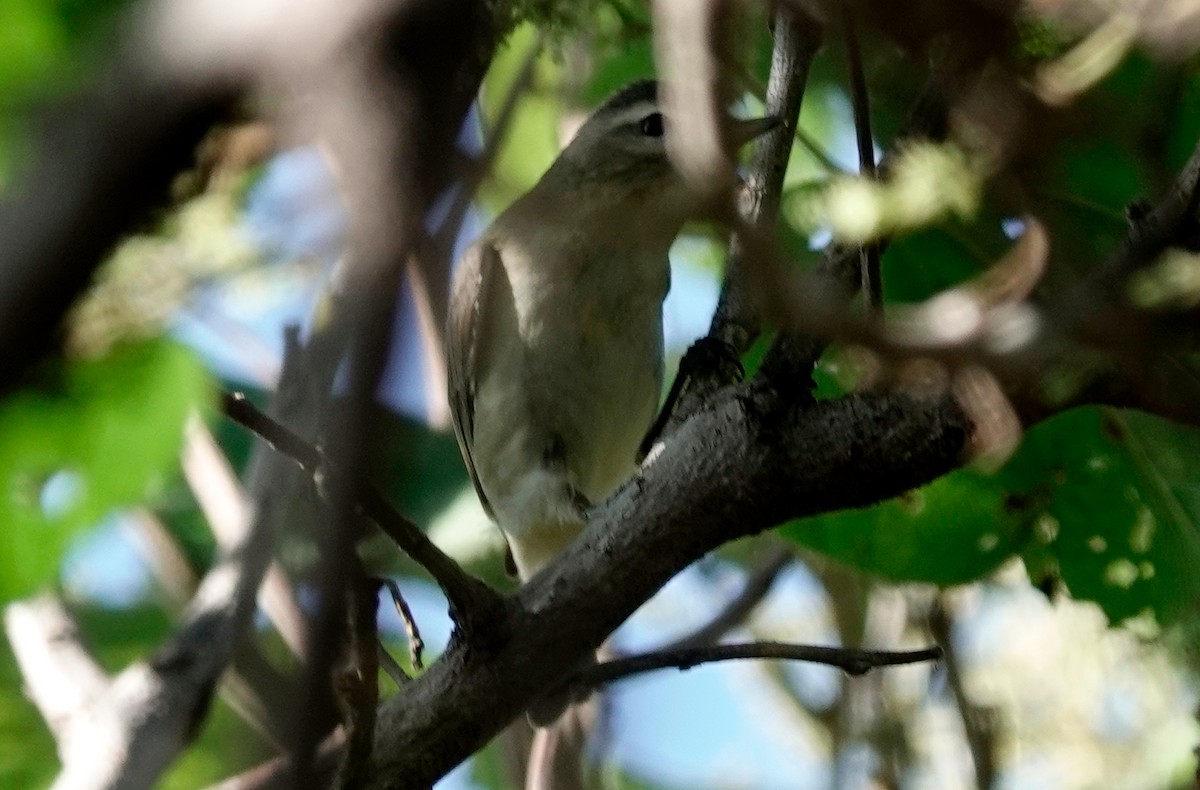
x,y
474,282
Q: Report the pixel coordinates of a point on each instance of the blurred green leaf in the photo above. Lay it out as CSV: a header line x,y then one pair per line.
x,y
1115,496
952,531
531,141
918,265
101,437
27,753
633,60
1110,500
32,41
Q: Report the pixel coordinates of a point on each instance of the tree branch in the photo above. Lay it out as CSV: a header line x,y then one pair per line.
x,y
869,254
742,465
979,723
854,662
471,600
713,361
758,584
415,643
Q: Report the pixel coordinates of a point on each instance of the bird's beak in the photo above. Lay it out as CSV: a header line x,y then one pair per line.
x,y
743,130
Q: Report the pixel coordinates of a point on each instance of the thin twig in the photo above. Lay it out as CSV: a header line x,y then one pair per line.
x,y
735,324
869,253
415,643
758,583
358,686
471,601
853,662
817,151
393,669
225,506
797,40
979,724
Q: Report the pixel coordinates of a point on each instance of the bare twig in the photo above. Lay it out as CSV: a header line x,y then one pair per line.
x,y
358,683
797,39
247,684
869,253
467,595
854,662
393,669
415,644
389,109
758,584
979,723
713,361
227,509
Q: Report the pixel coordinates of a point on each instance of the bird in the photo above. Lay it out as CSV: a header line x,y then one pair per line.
x,y
554,338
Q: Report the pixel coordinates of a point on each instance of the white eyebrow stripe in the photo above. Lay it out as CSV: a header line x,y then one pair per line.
x,y
632,113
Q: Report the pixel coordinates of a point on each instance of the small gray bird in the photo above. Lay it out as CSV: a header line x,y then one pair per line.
x,y
555,343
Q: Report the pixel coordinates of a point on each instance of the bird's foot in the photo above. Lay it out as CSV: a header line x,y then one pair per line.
x,y
710,360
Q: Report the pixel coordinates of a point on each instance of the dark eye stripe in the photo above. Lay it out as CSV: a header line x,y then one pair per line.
x,y
652,125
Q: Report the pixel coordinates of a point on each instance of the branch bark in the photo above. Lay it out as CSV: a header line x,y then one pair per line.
x,y
850,660
743,465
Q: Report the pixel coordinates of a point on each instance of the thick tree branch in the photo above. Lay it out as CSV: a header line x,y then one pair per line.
x,y
740,466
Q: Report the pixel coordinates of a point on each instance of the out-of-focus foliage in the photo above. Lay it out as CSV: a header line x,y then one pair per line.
x,y
27,755
98,435
42,49
1102,499
925,183
1108,499
951,531
150,277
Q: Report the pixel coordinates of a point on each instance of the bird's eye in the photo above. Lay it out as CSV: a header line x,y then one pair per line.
x,y
652,125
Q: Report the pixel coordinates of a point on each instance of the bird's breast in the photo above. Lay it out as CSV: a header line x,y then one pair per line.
x,y
597,337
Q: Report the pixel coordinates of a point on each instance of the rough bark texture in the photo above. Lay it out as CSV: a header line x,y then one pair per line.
x,y
739,467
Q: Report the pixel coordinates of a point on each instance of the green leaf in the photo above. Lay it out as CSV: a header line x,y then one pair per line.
x,y
1109,500
100,438
32,41
633,60
1117,503
918,265
27,754
952,531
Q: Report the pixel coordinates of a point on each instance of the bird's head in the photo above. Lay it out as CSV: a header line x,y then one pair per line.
x,y
621,149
